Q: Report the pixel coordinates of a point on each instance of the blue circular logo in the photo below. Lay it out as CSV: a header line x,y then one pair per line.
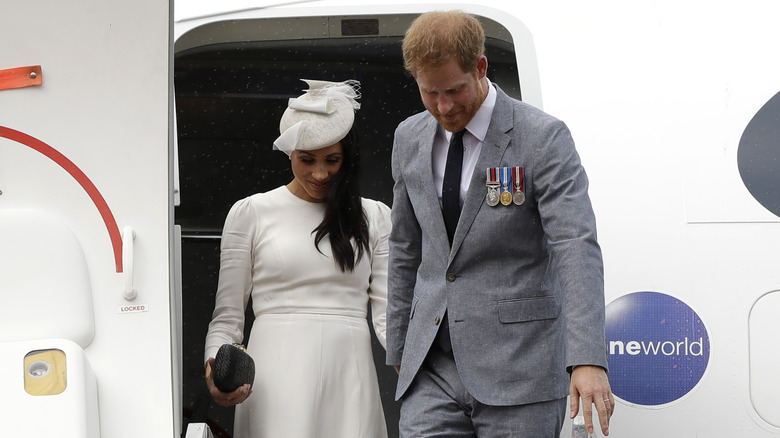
x,y
658,348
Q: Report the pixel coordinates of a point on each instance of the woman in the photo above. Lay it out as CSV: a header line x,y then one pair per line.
x,y
312,255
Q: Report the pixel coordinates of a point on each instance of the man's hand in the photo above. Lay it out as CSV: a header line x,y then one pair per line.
x,y
590,384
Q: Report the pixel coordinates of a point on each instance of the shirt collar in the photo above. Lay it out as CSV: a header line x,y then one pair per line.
x,y
479,124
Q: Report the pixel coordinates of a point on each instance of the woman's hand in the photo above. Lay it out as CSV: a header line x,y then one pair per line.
x,y
225,398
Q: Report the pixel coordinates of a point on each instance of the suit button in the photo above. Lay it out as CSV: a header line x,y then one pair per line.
x,y
450,277
436,320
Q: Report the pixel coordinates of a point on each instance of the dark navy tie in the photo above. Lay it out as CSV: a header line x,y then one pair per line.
x,y
450,206
450,190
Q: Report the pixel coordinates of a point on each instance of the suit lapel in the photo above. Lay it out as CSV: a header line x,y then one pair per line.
x,y
422,170
493,148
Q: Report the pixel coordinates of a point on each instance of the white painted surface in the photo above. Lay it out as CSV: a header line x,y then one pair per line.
x,y
657,94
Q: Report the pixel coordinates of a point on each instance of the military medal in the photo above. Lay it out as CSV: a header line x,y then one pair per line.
x,y
492,187
506,198
519,185
506,193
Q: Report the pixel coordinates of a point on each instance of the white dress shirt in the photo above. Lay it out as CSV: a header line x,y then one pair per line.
x,y
472,145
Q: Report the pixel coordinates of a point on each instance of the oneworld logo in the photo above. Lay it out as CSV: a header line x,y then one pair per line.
x,y
658,348
666,348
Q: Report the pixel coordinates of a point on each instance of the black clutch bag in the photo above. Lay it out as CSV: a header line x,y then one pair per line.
x,y
233,367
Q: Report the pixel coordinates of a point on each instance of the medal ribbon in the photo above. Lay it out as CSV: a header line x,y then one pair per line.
x,y
519,185
492,178
506,180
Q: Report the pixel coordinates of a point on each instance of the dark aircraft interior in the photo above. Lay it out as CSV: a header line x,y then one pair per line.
x,y
229,97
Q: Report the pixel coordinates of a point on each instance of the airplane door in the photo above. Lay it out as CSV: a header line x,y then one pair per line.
x,y
85,143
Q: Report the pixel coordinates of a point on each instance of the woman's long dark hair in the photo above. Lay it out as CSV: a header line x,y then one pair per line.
x,y
345,220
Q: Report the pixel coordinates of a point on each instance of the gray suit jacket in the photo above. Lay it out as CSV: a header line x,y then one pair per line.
x,y
522,285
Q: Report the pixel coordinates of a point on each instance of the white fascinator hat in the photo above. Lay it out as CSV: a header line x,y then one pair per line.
x,y
319,118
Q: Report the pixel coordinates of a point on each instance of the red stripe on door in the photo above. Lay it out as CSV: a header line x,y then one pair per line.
x,y
81,178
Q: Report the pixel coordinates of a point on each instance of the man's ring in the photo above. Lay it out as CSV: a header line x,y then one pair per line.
x,y
606,400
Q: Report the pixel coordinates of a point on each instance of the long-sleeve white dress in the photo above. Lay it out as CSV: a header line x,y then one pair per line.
x,y
314,370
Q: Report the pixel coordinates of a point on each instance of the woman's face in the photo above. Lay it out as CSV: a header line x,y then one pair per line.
x,y
314,170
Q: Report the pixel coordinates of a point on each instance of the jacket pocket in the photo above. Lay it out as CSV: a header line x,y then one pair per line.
x,y
528,309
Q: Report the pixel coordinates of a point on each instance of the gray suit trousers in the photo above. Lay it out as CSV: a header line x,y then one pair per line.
x,y
438,405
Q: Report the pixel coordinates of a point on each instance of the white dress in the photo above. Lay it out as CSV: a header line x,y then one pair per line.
x,y
314,370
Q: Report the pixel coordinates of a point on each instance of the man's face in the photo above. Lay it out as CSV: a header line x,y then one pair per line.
x,y
452,96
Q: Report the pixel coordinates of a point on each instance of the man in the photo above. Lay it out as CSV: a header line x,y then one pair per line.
x,y
496,308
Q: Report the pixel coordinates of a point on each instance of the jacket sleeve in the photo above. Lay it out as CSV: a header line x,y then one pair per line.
x,y
569,224
405,256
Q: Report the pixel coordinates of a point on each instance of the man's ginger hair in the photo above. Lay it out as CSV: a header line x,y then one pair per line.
x,y
435,37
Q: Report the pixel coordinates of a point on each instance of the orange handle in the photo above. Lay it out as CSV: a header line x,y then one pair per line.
x,y
20,77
